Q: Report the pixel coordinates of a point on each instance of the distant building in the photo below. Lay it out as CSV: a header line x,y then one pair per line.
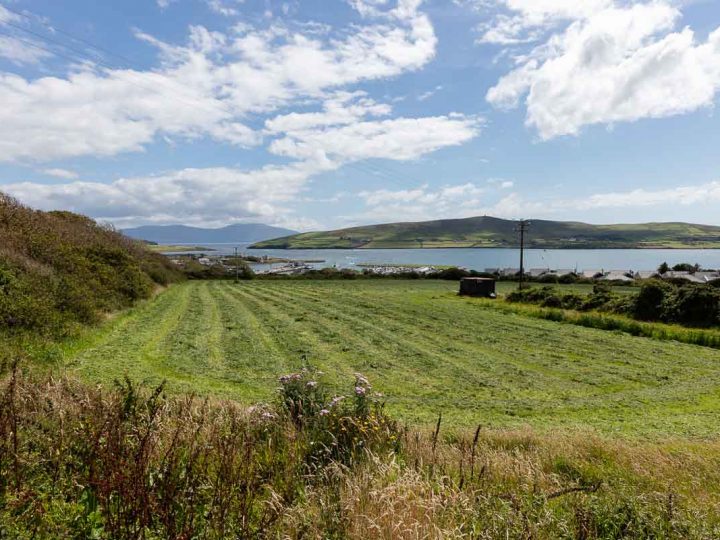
x,y
708,276
537,272
683,275
618,275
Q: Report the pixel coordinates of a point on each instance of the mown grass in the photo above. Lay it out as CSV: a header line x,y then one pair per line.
x,y
428,350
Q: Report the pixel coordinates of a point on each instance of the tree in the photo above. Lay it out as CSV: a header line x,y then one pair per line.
x,y
650,301
663,268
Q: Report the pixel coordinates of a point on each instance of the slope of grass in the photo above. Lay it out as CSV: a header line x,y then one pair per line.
x,y
60,271
493,232
427,349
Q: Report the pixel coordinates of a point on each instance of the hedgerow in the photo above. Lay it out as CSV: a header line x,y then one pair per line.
x,y
59,270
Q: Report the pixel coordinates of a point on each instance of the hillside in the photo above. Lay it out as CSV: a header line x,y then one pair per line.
x,y
60,270
486,232
182,234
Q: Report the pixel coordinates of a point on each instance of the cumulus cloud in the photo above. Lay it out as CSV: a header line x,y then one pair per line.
x,y
423,203
398,139
211,87
524,21
613,63
207,87
203,196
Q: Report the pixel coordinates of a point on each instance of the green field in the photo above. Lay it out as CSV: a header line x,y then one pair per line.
x,y
425,348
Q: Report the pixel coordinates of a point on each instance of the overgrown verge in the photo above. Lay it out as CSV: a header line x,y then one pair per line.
x,y
691,305
127,463
60,270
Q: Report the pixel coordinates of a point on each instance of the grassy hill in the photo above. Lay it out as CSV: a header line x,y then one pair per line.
x,y
485,232
60,270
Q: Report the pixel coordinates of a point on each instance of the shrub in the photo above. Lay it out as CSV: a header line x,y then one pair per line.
x,y
650,300
58,269
695,305
453,274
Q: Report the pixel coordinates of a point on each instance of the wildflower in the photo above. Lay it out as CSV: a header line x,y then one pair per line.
x,y
361,380
336,400
311,384
360,391
324,412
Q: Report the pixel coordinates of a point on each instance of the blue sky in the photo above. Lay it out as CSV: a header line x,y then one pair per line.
x,y
318,114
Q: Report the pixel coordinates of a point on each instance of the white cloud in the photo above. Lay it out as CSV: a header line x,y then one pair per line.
x,y
61,173
7,16
527,20
224,8
341,108
422,203
619,64
211,87
501,183
207,88
398,139
20,51
430,93
704,194
199,196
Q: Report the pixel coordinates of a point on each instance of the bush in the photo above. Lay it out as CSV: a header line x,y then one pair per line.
x,y
453,274
650,300
58,269
694,305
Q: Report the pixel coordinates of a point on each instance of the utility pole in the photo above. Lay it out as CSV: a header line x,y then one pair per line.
x,y
522,229
237,267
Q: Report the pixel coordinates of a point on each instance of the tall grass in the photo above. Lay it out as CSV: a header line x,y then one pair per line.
x,y
613,322
130,463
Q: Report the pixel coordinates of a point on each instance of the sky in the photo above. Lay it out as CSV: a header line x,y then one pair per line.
x,y
318,114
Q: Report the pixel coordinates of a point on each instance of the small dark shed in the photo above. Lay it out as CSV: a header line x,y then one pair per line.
x,y
473,286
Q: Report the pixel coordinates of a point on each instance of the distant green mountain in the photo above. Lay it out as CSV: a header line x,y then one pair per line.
x,y
486,232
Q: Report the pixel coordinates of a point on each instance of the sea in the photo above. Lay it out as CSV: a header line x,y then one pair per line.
x,y
484,258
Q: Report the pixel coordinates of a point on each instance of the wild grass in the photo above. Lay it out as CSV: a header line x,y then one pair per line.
x,y
131,463
427,349
612,322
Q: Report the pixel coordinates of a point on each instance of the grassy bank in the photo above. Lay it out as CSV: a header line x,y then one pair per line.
x,y
429,350
611,322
